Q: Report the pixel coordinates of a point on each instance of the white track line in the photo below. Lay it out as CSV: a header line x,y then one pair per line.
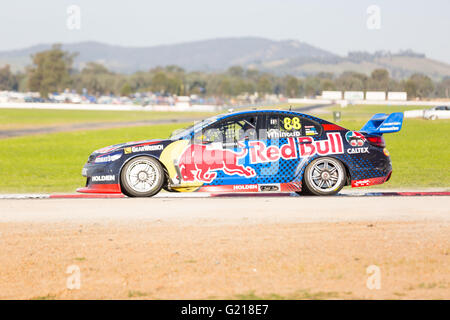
x,y
24,196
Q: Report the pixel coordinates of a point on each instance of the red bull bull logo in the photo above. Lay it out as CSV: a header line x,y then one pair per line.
x,y
201,163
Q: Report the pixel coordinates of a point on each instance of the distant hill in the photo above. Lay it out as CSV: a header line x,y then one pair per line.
x,y
279,57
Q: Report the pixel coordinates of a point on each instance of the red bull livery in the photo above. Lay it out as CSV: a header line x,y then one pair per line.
x,y
248,151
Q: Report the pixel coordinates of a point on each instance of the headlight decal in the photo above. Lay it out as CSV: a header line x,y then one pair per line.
x,y
108,158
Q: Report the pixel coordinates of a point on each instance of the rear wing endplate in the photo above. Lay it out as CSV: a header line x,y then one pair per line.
x,y
383,123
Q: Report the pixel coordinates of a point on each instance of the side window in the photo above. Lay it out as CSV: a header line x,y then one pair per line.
x,y
232,130
285,126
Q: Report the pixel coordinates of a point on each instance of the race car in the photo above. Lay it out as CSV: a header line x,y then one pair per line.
x,y
248,151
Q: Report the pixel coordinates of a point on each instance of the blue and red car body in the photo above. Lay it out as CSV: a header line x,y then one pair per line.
x,y
258,164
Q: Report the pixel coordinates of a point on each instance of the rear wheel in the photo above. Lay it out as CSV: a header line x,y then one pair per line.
x,y
142,177
324,177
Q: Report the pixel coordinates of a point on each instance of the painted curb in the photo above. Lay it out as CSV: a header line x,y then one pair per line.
x,y
217,195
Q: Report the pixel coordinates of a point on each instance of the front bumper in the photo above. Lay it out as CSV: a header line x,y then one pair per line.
x,y
100,178
100,188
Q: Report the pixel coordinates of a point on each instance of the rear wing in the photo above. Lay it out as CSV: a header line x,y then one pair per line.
x,y
383,123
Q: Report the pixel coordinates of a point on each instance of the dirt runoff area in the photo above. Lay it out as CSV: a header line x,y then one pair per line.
x,y
238,248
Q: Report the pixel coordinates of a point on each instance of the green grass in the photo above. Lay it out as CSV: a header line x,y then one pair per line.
x,y
27,118
53,162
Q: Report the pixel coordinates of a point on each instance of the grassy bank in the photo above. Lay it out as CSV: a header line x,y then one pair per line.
x,y
52,163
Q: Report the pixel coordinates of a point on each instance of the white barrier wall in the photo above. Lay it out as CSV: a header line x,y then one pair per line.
x,y
397,96
354,95
332,95
375,95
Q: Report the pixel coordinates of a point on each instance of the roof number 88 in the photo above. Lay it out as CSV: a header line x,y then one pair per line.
x,y
293,123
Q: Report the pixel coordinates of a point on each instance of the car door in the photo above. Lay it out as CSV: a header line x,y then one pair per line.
x,y
281,161
220,152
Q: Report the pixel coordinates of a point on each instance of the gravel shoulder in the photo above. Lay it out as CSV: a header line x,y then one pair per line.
x,y
311,248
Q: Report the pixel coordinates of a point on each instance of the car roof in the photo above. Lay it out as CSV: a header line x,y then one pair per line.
x,y
232,114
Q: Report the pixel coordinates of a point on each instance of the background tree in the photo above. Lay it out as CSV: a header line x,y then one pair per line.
x,y
443,88
8,81
379,80
292,86
97,79
264,84
50,71
419,86
352,81
126,89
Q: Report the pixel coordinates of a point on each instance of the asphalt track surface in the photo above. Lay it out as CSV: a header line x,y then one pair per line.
x,y
89,126
226,210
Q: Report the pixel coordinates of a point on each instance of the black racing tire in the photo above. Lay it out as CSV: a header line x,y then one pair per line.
x,y
324,176
304,192
142,177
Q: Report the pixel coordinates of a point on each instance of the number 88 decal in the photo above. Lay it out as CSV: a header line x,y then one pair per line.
x,y
293,123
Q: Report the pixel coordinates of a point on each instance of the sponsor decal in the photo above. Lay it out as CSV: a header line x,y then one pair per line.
x,y
358,150
361,183
105,149
103,178
200,162
355,139
150,147
269,187
245,187
260,153
273,133
108,158
310,131
332,145
369,181
389,128
386,152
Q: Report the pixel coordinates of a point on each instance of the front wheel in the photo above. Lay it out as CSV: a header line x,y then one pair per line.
x,y
142,177
324,177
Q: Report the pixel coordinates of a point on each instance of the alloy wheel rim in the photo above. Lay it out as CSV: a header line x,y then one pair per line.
x,y
325,175
142,176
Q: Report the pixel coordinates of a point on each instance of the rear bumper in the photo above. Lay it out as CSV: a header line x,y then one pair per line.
x,y
371,181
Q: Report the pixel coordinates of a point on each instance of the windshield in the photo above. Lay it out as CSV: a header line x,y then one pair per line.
x,y
186,132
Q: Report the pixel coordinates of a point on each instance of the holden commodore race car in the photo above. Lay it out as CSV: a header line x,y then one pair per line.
x,y
248,151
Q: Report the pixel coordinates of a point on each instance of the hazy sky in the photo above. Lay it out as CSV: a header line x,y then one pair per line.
x,y
338,26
